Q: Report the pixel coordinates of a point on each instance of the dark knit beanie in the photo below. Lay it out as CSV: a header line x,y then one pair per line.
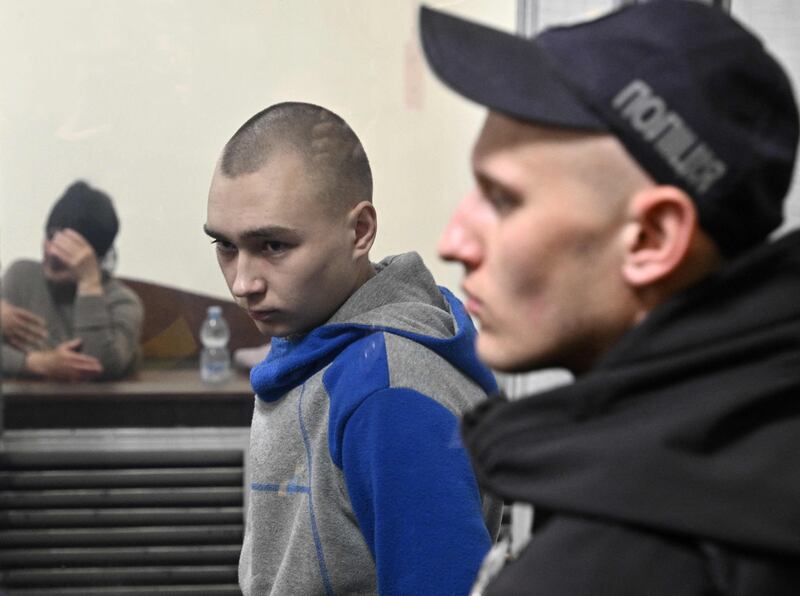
x,y
89,212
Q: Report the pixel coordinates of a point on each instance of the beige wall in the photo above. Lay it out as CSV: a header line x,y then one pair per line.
x,y
138,97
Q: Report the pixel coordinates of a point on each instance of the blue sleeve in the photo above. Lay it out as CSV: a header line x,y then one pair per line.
x,y
414,494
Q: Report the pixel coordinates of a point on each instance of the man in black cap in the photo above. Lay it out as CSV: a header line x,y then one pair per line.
x,y
66,318
629,173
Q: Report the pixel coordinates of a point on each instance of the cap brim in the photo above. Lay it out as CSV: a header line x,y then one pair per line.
x,y
503,72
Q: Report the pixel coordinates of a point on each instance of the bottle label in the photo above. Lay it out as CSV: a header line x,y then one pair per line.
x,y
215,365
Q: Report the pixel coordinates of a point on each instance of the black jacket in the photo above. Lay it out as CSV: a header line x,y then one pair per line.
x,y
673,468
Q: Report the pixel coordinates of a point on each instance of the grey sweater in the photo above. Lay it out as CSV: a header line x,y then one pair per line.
x,y
109,325
359,482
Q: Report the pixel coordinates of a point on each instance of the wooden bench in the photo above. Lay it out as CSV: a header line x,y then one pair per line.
x,y
172,320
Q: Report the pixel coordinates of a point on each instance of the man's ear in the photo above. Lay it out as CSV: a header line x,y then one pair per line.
x,y
658,237
364,220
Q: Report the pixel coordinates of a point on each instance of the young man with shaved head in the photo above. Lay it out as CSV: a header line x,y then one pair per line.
x,y
629,173
358,481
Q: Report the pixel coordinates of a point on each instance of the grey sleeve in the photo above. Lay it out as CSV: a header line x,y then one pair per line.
x,y
13,361
109,326
14,280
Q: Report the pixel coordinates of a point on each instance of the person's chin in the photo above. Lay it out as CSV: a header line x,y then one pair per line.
x,y
488,352
265,328
496,355
274,328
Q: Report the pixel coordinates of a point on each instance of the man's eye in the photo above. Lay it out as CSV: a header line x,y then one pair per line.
x,y
273,246
223,247
501,200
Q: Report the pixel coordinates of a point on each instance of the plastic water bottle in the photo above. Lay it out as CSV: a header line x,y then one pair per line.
x,y
215,359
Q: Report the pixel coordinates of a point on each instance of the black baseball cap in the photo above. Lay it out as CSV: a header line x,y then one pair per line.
x,y
692,95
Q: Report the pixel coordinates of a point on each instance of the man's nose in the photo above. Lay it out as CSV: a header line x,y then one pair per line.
x,y
249,279
461,240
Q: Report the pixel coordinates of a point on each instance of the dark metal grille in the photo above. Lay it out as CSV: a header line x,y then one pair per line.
x,y
121,512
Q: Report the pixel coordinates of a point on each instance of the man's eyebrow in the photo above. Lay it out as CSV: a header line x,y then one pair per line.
x,y
486,181
254,233
214,234
268,232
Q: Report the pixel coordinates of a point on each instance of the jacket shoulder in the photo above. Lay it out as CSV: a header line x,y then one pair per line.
x,y
21,278
412,365
118,291
22,269
357,371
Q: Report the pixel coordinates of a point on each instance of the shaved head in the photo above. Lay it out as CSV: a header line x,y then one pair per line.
x,y
335,160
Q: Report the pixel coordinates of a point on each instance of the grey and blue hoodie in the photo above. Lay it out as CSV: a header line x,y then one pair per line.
x,y
359,481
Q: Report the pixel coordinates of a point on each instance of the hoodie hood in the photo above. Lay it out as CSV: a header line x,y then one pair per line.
x,y
690,425
403,299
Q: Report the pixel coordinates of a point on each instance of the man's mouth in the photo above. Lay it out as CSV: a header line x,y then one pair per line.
x,y
473,304
262,315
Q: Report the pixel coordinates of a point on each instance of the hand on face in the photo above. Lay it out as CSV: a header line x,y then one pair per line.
x,y
21,328
72,251
64,363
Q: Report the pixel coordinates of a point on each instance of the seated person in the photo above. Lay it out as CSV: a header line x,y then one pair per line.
x,y
66,318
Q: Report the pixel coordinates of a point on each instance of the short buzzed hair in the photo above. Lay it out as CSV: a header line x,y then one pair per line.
x,y
334,155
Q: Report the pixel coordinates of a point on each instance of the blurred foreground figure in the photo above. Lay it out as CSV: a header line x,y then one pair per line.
x,y
66,318
628,174
358,481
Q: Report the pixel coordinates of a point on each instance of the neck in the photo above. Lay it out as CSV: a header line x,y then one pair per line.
x,y
366,271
